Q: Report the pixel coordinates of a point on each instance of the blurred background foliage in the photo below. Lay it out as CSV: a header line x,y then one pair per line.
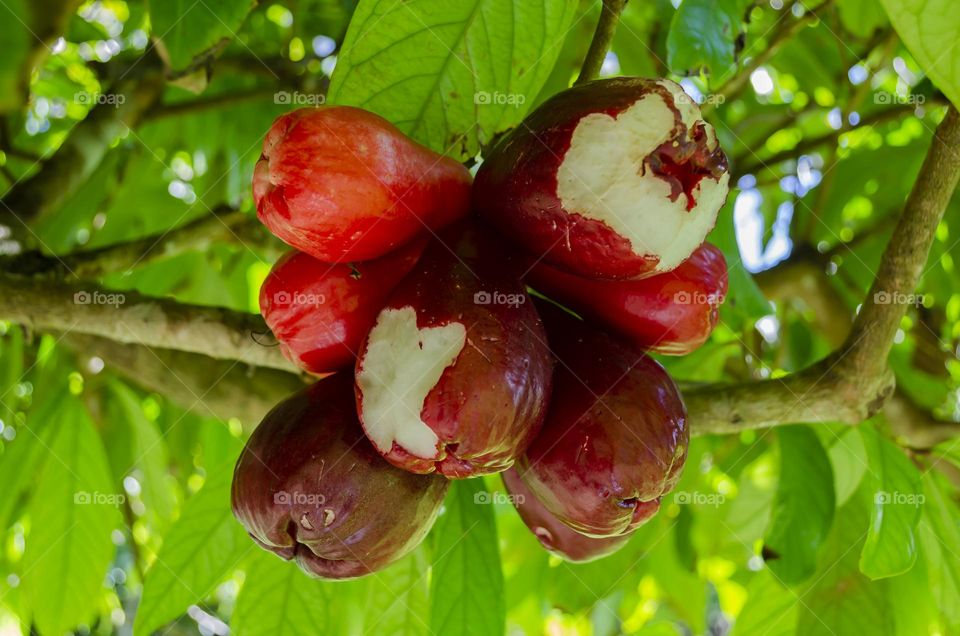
x,y
826,116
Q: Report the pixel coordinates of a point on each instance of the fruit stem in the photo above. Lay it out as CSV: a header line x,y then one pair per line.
x,y
602,37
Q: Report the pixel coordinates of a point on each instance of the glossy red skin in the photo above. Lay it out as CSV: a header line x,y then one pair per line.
x,y
343,184
555,536
615,437
489,404
311,445
322,337
516,186
671,313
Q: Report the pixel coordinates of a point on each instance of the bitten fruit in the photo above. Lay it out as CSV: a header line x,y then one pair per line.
x,y
615,437
321,312
454,377
309,486
343,184
672,313
616,178
554,535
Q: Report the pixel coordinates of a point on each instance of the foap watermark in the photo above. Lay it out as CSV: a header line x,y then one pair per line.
x,y
886,97
897,298
484,498
98,298
296,498
296,98
84,498
714,99
698,298
285,299
496,98
885,498
696,498
499,298
96,99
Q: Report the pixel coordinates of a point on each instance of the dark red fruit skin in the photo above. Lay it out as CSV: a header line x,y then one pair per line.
x,y
671,313
490,403
311,446
615,437
322,337
516,186
554,535
343,184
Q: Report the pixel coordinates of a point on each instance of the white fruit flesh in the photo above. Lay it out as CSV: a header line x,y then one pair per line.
x,y
602,178
399,368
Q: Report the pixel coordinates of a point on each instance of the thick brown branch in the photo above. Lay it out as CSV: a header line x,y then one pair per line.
x,y
133,318
602,37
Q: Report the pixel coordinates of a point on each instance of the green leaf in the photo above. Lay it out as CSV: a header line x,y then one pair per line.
x,y
450,74
771,608
187,28
467,582
398,598
17,39
940,538
278,599
148,451
198,552
848,456
841,600
73,512
930,29
891,545
861,17
803,508
702,34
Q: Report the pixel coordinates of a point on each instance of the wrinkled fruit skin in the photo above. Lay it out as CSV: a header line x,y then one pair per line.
x,y
321,312
343,184
554,535
310,487
455,376
615,437
672,313
616,178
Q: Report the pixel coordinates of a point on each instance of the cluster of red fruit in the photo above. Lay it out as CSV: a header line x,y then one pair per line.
x,y
410,287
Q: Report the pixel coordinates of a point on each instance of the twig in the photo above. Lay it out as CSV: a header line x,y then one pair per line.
x,y
606,27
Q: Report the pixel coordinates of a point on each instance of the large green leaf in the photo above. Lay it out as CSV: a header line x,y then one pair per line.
x,y
198,552
848,456
466,588
187,28
803,508
450,74
702,35
73,511
397,599
16,38
940,537
861,17
771,608
840,599
278,599
931,30
891,545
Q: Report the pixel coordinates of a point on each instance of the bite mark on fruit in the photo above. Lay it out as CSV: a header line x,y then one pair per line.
x,y
400,367
629,171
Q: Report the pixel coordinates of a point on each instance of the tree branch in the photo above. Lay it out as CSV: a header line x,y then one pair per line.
x,y
853,383
130,317
600,44
80,154
223,224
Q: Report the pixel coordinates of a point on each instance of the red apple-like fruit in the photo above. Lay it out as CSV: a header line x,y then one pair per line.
x,y
454,377
615,437
309,486
671,313
343,184
616,178
554,535
321,312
